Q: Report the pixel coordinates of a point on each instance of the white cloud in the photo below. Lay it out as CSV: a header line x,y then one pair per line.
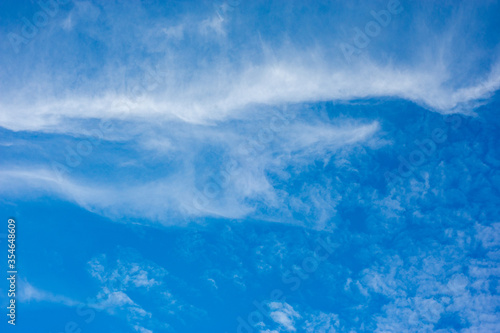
x,y
284,315
125,274
142,329
113,300
267,145
129,274
28,293
179,95
421,291
322,323
268,84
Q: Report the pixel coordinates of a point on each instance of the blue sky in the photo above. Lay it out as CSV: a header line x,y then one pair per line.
x,y
251,166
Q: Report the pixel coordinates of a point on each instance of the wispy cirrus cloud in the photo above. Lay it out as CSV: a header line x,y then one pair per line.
x,y
185,84
182,189
226,81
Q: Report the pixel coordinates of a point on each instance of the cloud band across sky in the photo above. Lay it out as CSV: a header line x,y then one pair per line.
x,y
177,161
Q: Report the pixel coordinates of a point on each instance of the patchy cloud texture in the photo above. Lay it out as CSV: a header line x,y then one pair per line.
x,y
252,166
